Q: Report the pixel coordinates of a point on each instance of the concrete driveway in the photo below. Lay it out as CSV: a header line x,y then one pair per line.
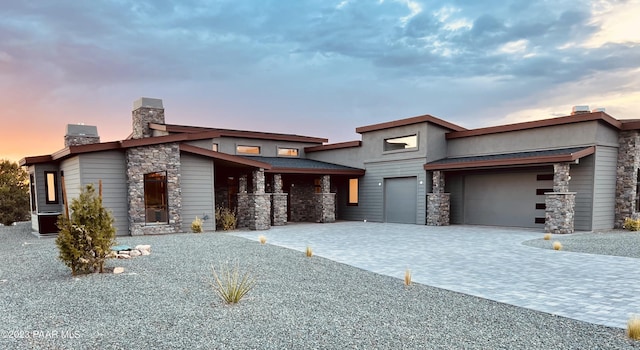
x,y
488,262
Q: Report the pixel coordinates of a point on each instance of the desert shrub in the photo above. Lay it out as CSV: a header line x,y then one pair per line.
x,y
85,239
547,236
230,284
308,252
196,225
407,277
557,245
631,224
262,239
14,193
225,219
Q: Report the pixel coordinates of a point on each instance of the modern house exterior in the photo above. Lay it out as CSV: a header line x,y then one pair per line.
x,y
578,172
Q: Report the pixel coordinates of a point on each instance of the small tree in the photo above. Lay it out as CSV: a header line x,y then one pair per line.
x,y
86,238
14,193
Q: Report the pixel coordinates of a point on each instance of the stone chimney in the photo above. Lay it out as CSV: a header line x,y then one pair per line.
x,y
146,110
80,134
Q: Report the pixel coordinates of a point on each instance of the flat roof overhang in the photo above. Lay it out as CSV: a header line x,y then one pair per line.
x,y
512,159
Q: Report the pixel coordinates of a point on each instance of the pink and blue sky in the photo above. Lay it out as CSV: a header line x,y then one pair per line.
x,y
310,67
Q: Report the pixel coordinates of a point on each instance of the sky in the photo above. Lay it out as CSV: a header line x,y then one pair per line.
x,y
309,67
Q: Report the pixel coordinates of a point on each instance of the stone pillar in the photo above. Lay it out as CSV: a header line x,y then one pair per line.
x,y
438,202
627,176
559,212
243,202
259,204
278,202
325,201
146,110
560,204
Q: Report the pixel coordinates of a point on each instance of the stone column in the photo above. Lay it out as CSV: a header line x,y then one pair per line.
x,y
259,204
560,204
627,176
325,201
278,202
243,202
438,202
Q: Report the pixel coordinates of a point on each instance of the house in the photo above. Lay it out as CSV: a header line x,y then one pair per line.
x,y
578,172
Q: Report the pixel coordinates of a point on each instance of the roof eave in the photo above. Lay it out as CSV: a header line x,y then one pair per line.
x,y
562,158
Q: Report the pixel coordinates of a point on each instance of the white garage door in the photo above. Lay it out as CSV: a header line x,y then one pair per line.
x,y
505,199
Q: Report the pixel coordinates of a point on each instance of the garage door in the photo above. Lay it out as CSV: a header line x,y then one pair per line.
x,y
506,199
400,200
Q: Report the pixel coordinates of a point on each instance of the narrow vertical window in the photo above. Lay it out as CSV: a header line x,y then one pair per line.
x,y
32,189
214,147
637,191
155,197
317,185
51,187
353,192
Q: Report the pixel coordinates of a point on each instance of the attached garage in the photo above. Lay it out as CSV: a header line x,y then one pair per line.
x,y
400,200
506,198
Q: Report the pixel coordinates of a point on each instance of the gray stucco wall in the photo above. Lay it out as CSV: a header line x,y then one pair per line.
x,y
561,136
197,181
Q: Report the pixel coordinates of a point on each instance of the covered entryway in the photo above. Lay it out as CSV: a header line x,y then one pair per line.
x,y
400,200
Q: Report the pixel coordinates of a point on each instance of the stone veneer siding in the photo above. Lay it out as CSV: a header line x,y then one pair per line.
x,y
627,170
141,119
149,159
438,202
560,204
70,140
254,209
559,212
325,202
278,202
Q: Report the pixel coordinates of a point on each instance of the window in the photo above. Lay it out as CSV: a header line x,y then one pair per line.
x,y
155,197
400,143
287,152
32,189
353,192
248,149
214,147
317,185
51,187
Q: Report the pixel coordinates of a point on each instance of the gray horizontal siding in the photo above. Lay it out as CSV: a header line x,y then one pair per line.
x,y
111,169
582,183
604,188
371,195
197,181
71,170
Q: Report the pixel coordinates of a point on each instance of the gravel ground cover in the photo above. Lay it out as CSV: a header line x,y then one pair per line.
x,y
164,301
615,242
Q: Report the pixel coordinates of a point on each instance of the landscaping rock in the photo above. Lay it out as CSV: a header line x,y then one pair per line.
x,y
118,270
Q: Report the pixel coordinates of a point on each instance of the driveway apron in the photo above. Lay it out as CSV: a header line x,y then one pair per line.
x,y
488,262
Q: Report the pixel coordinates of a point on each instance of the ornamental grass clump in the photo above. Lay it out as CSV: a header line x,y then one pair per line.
x,y
631,224
547,236
231,284
308,252
407,277
633,328
226,219
85,239
196,225
262,239
557,245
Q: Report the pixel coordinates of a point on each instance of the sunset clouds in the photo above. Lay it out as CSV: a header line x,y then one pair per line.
x,y
319,68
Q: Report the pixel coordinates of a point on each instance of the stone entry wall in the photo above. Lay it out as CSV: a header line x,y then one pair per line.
x,y
627,170
438,202
254,209
278,202
149,159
